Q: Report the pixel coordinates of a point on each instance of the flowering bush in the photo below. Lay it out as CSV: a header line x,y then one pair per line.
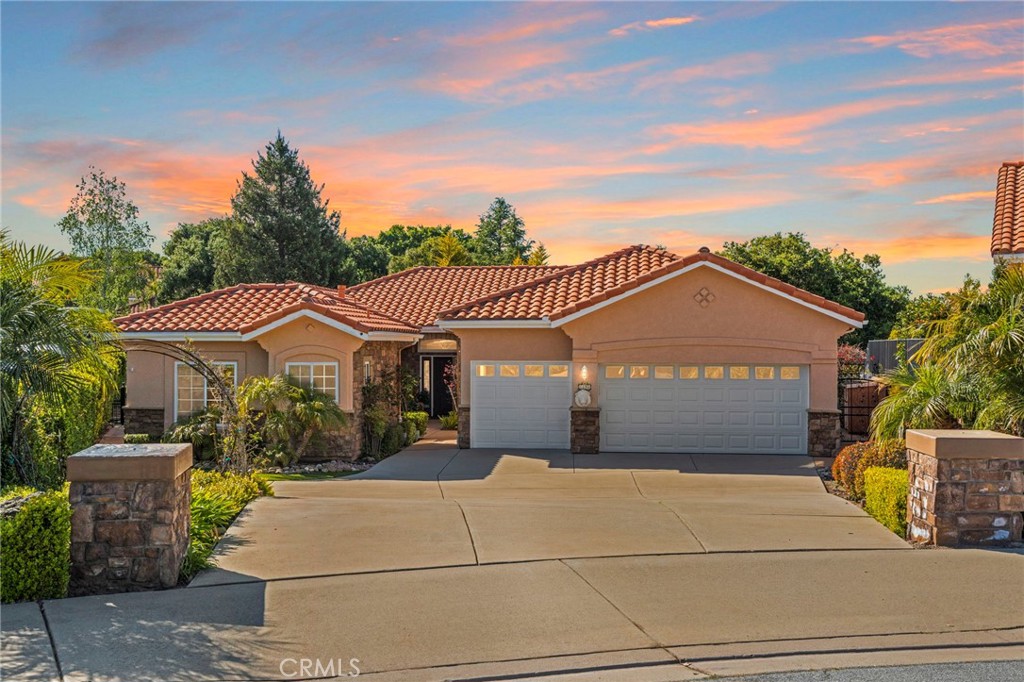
x,y
851,360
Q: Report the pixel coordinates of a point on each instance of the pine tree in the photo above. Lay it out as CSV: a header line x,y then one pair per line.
x,y
539,256
281,228
501,235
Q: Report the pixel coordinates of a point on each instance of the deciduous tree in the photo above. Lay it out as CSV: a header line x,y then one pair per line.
x,y
858,283
103,226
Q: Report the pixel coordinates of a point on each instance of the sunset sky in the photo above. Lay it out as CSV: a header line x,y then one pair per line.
x,y
878,127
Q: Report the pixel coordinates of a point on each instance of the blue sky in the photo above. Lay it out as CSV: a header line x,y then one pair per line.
x,y
878,127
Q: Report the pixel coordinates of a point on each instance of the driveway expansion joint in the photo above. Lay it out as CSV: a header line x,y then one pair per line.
x,y
469,531
53,642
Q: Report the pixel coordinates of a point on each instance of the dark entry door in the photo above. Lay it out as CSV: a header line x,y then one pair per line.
x,y
440,397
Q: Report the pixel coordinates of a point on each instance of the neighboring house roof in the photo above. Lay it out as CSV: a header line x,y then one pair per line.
x,y
419,294
573,290
245,308
1008,222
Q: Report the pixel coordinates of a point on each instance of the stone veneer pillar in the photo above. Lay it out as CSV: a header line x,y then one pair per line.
x,y
823,432
585,430
463,441
130,517
966,487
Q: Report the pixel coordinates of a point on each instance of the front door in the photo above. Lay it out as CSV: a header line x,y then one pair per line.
x,y
440,396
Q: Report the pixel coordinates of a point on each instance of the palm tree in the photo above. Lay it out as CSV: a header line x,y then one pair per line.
x,y
49,347
971,365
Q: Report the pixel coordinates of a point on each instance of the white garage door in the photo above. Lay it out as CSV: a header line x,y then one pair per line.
x,y
704,408
520,404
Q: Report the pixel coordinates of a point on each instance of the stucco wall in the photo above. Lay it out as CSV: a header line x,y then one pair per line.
x,y
305,340
742,324
149,383
508,344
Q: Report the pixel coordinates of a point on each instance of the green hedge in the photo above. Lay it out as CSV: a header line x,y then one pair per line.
x,y
420,419
35,549
885,497
136,438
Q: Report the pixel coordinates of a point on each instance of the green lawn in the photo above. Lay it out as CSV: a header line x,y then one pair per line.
x,y
304,476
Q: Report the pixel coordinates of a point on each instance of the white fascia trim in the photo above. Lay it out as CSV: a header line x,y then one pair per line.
x,y
394,336
171,337
312,314
495,324
699,264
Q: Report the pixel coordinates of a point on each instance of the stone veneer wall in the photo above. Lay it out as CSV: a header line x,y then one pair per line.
x,y
823,433
585,430
144,420
964,501
129,535
385,357
463,427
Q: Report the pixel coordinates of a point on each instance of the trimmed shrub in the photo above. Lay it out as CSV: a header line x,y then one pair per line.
x,y
136,438
845,464
885,497
412,433
394,437
887,453
450,421
420,419
35,549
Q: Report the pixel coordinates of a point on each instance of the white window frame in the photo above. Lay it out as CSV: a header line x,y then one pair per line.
x,y
334,364
206,387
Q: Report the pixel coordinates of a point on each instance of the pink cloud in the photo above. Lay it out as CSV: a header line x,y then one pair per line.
x,y
651,24
1009,70
726,68
930,246
989,39
773,132
986,195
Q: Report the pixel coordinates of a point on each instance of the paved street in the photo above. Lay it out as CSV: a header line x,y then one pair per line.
x,y
447,564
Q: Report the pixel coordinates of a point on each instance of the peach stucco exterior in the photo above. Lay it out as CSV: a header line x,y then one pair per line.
x,y
664,324
150,376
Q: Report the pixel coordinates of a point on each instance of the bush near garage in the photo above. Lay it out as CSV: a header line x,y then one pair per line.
x,y
887,453
450,421
885,497
412,434
845,464
35,545
136,438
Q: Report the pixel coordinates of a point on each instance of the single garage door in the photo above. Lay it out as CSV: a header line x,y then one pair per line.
x,y
520,405
704,408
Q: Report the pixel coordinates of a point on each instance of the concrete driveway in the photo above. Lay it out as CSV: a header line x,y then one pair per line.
x,y
433,506
440,564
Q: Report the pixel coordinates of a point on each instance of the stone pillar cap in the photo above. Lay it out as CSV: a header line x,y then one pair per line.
x,y
150,461
958,444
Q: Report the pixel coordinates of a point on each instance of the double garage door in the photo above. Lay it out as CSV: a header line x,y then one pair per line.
x,y
704,408
645,408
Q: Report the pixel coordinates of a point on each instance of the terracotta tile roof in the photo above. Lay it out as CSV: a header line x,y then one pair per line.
x,y
1008,223
419,294
573,289
246,307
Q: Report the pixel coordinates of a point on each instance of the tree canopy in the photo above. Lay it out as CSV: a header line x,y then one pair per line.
x,y
103,226
281,228
188,265
858,283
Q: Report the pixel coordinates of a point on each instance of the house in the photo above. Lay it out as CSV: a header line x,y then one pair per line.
x,y
1008,222
640,350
